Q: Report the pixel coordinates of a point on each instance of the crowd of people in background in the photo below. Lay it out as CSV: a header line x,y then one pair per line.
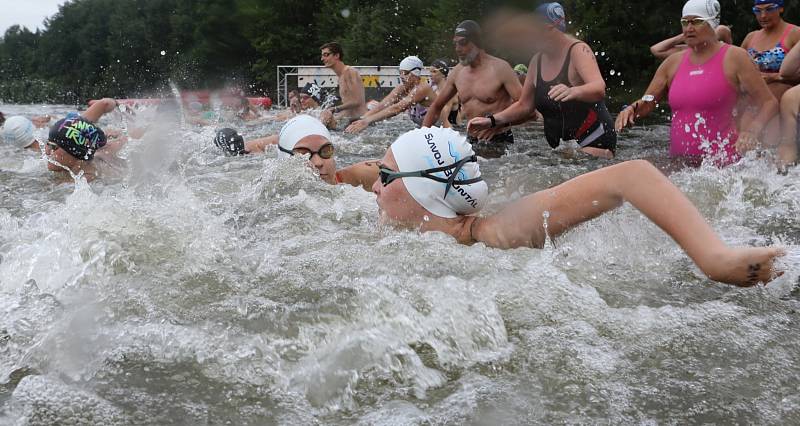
x,y
725,101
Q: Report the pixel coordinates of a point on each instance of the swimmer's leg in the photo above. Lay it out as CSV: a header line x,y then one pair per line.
x,y
790,107
641,184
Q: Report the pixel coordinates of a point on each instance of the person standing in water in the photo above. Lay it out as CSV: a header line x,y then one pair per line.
x,y
485,85
447,198
351,89
449,117
703,85
413,95
665,48
566,88
768,48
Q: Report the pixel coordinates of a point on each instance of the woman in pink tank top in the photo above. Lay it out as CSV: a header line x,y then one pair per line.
x,y
702,83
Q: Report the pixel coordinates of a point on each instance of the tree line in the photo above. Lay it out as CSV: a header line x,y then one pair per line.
x,y
133,48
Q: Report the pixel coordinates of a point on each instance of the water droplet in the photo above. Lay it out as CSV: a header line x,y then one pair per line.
x,y
345,13
612,72
602,53
163,53
426,218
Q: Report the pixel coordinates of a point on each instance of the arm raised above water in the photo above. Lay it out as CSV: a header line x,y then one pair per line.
x,y
521,224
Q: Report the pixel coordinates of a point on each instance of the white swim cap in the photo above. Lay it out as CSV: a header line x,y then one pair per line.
x,y
18,131
299,128
703,9
412,64
434,147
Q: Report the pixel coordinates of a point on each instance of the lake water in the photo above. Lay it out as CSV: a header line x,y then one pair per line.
x,y
192,288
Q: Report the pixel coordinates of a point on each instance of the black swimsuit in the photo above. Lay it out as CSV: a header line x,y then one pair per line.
x,y
588,123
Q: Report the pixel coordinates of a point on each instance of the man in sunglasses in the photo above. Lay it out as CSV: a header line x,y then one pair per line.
x,y
447,198
485,85
351,88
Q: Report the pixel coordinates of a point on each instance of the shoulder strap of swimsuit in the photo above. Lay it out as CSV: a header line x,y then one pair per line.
x,y
539,78
563,75
786,33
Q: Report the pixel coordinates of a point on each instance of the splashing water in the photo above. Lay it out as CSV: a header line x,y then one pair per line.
x,y
196,288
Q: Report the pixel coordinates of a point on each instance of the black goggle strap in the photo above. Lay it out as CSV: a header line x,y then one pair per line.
x,y
282,149
428,174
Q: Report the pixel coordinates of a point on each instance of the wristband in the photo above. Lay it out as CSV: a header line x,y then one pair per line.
x,y
492,119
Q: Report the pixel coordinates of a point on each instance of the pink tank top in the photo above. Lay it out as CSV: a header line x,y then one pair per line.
x,y
703,104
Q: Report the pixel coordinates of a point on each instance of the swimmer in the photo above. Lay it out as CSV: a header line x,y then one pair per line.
x,y
665,48
351,88
703,86
450,116
413,95
303,135
309,97
567,89
768,48
74,141
485,85
790,109
447,198
2,119
18,132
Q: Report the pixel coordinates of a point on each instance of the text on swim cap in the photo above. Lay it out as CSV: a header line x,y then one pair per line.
x,y
438,157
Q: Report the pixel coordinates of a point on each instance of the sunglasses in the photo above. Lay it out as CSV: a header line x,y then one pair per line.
x,y
388,175
771,8
695,22
325,152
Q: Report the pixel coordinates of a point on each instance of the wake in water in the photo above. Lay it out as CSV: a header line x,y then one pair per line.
x,y
198,288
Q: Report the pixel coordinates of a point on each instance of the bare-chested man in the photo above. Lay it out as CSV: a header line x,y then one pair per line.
x,y
484,84
351,89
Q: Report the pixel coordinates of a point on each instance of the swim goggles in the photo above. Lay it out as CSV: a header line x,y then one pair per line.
x,y
695,22
325,152
771,8
388,176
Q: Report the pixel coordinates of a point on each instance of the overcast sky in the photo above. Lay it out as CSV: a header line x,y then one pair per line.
x,y
27,13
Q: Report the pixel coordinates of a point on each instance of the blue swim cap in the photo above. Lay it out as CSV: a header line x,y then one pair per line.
x,y
777,2
553,14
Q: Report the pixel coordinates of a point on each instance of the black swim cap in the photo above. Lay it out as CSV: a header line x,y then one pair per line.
x,y
313,90
79,137
442,66
471,31
230,142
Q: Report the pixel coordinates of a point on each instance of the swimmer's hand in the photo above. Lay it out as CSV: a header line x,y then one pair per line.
x,y
357,126
563,93
747,141
478,124
625,118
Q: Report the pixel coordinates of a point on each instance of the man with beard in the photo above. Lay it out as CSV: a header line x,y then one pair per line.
x,y
485,85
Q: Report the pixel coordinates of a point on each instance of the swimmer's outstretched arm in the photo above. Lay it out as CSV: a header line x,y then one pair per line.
x,y
415,97
99,109
363,174
641,184
260,145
